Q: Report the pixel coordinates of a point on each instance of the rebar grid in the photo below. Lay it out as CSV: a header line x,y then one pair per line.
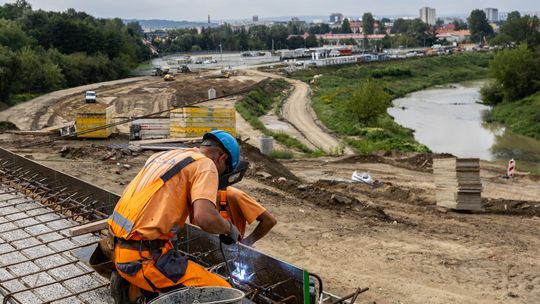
x,y
36,217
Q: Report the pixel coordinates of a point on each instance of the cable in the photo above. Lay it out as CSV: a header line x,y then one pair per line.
x,y
226,263
320,285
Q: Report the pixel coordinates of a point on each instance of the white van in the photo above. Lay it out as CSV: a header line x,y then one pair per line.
x,y
90,96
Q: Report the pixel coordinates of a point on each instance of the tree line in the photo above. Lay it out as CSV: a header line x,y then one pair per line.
x,y
45,51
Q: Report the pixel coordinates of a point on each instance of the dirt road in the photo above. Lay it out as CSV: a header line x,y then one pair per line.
x,y
297,111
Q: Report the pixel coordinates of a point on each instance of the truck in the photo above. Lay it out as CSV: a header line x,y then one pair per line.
x,y
90,96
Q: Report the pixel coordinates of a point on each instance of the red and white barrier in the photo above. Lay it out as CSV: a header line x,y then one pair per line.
x,y
511,168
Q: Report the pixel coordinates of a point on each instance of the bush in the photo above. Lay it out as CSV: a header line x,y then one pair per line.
x,y
517,71
492,93
368,102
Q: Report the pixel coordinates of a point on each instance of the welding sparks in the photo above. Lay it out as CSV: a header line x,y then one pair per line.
x,y
240,272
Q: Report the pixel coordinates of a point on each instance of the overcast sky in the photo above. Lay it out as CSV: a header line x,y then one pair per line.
x,y
237,9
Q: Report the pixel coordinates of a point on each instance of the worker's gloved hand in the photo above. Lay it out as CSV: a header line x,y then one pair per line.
x,y
233,236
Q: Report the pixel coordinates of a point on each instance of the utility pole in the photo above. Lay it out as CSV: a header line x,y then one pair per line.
x,y
272,46
221,54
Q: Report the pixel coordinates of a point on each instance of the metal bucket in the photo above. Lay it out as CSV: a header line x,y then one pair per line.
x,y
201,295
266,144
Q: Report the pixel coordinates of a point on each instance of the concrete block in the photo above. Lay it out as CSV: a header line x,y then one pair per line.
x,y
49,237
51,261
11,258
8,210
71,300
36,252
14,235
59,224
7,226
47,217
99,296
82,283
64,272
62,245
38,210
4,274
6,248
13,285
26,243
38,229
51,292
86,239
27,297
23,269
37,279
26,222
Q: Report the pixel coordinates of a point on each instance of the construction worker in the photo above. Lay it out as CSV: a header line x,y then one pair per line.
x,y
239,208
170,186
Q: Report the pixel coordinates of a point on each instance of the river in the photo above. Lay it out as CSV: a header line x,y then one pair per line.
x,y
449,119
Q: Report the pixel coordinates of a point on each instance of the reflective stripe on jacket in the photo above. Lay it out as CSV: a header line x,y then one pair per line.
x,y
125,218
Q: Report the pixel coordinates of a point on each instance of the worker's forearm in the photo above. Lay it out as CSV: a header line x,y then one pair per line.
x,y
266,224
216,226
208,218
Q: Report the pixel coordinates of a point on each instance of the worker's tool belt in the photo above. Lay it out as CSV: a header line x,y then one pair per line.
x,y
140,245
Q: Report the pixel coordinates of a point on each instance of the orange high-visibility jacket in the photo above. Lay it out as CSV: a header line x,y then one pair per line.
x,y
160,196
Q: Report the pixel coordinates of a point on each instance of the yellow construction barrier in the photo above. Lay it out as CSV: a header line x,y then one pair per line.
x,y
194,122
93,116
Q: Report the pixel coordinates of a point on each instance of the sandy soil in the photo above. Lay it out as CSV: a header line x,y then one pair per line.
x,y
390,238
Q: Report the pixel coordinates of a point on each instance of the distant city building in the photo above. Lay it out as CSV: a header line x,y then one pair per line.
x,y
318,21
492,14
255,18
336,17
208,18
428,15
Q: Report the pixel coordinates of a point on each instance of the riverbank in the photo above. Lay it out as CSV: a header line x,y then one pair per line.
x,y
398,78
521,116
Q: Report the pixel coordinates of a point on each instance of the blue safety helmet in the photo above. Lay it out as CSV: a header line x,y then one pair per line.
x,y
228,143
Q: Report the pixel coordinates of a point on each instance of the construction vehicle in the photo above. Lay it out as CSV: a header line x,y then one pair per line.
x,y
160,71
184,69
168,77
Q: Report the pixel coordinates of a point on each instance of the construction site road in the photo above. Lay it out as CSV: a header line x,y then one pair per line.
x,y
28,115
298,112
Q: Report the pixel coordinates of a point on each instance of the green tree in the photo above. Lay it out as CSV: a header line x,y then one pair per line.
x,y
479,26
517,71
15,10
311,41
459,24
368,102
12,36
9,65
346,27
367,23
521,30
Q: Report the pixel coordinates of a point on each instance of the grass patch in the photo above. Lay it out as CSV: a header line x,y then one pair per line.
x,y
398,78
260,101
16,99
521,116
281,154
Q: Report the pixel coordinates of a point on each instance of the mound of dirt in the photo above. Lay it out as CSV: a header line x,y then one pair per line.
x,y
262,163
91,151
387,191
327,198
422,162
511,207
